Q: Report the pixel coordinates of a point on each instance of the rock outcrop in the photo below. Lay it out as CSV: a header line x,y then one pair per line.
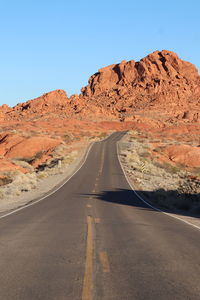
x,y
161,78
35,149
184,154
161,81
48,103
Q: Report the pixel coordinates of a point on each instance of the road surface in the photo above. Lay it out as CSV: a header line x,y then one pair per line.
x,y
93,239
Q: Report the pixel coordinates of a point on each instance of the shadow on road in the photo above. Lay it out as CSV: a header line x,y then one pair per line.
x,y
168,201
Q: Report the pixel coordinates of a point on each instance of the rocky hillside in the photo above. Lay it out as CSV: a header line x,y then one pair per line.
x,y
161,83
160,80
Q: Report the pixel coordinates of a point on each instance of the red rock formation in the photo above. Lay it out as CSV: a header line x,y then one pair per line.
x,y
154,69
161,80
35,149
160,92
32,147
184,154
50,102
3,110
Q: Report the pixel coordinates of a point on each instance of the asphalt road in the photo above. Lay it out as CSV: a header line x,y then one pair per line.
x,y
93,239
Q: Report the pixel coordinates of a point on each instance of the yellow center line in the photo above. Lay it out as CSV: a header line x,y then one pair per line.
x,y
87,282
104,261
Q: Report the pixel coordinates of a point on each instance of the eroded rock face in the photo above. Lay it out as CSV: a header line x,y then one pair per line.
x,y
110,77
48,101
161,82
155,68
160,78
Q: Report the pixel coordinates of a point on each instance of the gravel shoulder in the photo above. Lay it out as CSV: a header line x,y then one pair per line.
x,y
158,185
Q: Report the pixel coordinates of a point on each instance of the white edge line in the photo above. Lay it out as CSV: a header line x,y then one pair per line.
x,y
54,191
148,204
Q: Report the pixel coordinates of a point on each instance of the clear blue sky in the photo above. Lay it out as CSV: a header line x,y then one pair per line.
x,y
47,45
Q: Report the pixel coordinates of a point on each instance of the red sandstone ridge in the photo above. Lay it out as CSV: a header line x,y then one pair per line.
x,y
57,98
157,66
160,82
160,78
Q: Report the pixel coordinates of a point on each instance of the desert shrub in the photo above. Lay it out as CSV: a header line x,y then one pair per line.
x,y
21,182
167,167
69,158
5,180
1,195
102,135
38,155
196,171
132,138
157,150
170,168
59,151
67,138
145,154
42,175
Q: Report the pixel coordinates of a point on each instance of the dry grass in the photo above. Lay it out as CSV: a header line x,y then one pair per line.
x,y
5,180
20,183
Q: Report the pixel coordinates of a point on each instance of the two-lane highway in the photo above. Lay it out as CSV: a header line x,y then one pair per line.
x,y
93,239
